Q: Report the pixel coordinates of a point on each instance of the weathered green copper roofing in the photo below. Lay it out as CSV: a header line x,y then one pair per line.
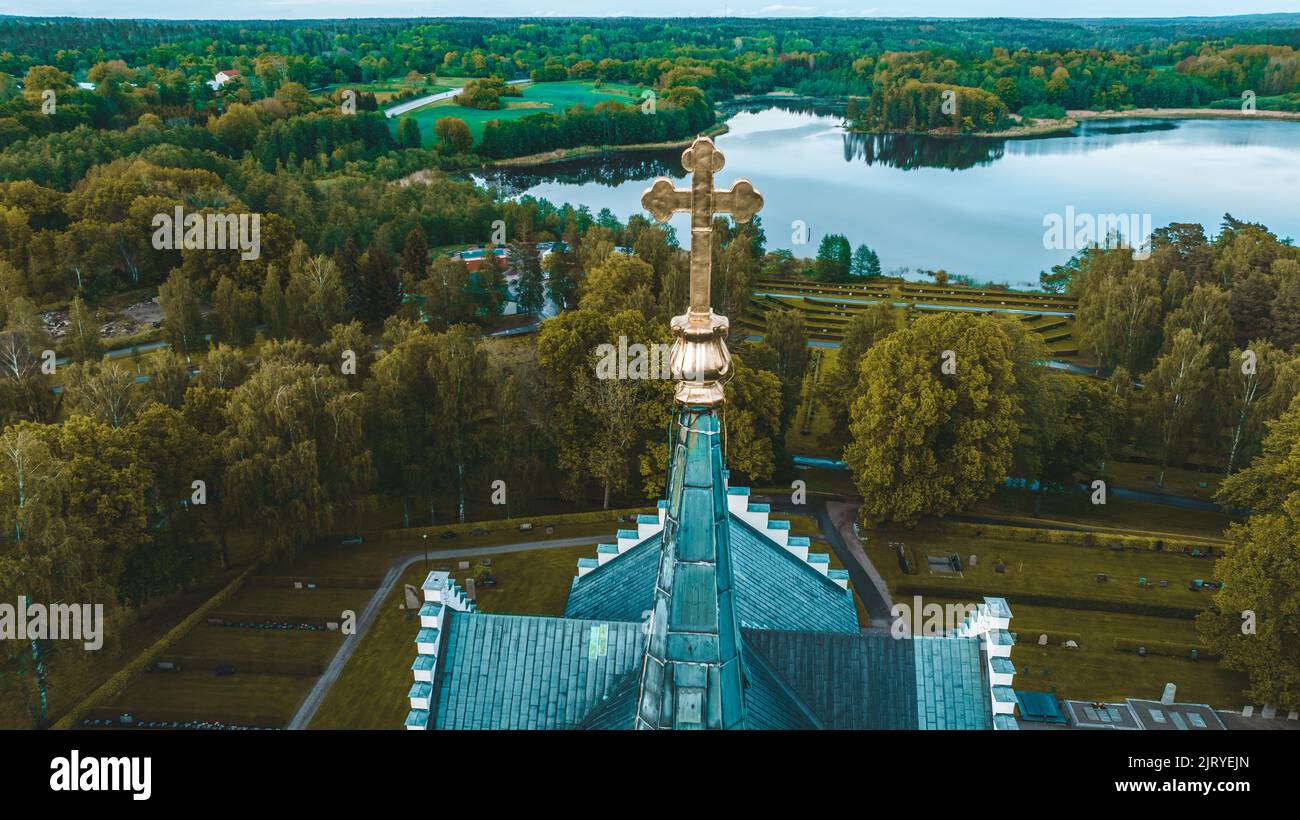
x,y
417,717
951,684
769,703
875,681
775,589
529,672
693,676
617,710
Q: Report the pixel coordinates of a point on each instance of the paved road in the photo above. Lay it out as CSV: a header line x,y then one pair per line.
x,y
420,102
311,703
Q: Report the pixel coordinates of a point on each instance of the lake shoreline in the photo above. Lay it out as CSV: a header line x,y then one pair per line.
x,y
588,151
1048,127
1184,114
1038,128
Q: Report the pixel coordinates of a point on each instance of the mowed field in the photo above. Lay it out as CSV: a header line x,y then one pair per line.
x,y
538,98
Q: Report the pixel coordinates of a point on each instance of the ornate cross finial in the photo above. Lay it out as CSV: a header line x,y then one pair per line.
x,y
700,361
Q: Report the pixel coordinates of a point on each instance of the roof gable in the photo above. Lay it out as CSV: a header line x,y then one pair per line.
x,y
775,589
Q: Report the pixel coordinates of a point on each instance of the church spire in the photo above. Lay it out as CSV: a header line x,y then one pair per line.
x,y
692,674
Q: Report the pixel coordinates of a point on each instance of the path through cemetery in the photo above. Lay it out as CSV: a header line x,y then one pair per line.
x,y
303,717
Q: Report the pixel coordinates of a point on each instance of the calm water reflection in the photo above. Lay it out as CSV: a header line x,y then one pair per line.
x,y
971,206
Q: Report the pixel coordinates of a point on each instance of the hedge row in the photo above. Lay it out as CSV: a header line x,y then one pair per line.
x,y
199,713
508,525
947,589
1168,649
1077,538
117,683
339,582
243,617
246,665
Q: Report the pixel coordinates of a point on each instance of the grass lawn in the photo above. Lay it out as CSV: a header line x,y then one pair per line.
x,y
537,98
232,643
1177,480
202,695
1052,569
324,602
372,558
1096,671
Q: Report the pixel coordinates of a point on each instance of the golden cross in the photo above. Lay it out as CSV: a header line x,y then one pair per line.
x,y
699,360
702,200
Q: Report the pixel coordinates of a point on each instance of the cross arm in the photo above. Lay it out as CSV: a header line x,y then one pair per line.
x,y
662,199
742,201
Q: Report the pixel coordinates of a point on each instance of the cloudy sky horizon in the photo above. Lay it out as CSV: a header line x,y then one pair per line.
x,y
323,9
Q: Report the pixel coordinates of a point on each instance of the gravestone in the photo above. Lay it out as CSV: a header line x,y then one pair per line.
x,y
1247,710
974,559
1071,644
412,597
463,565
1042,639
470,591
1171,691
1268,712
1293,715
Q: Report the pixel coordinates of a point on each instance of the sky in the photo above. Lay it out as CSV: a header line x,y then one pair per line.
x,y
300,9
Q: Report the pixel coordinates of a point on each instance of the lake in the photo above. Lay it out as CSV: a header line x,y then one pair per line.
x,y
972,206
